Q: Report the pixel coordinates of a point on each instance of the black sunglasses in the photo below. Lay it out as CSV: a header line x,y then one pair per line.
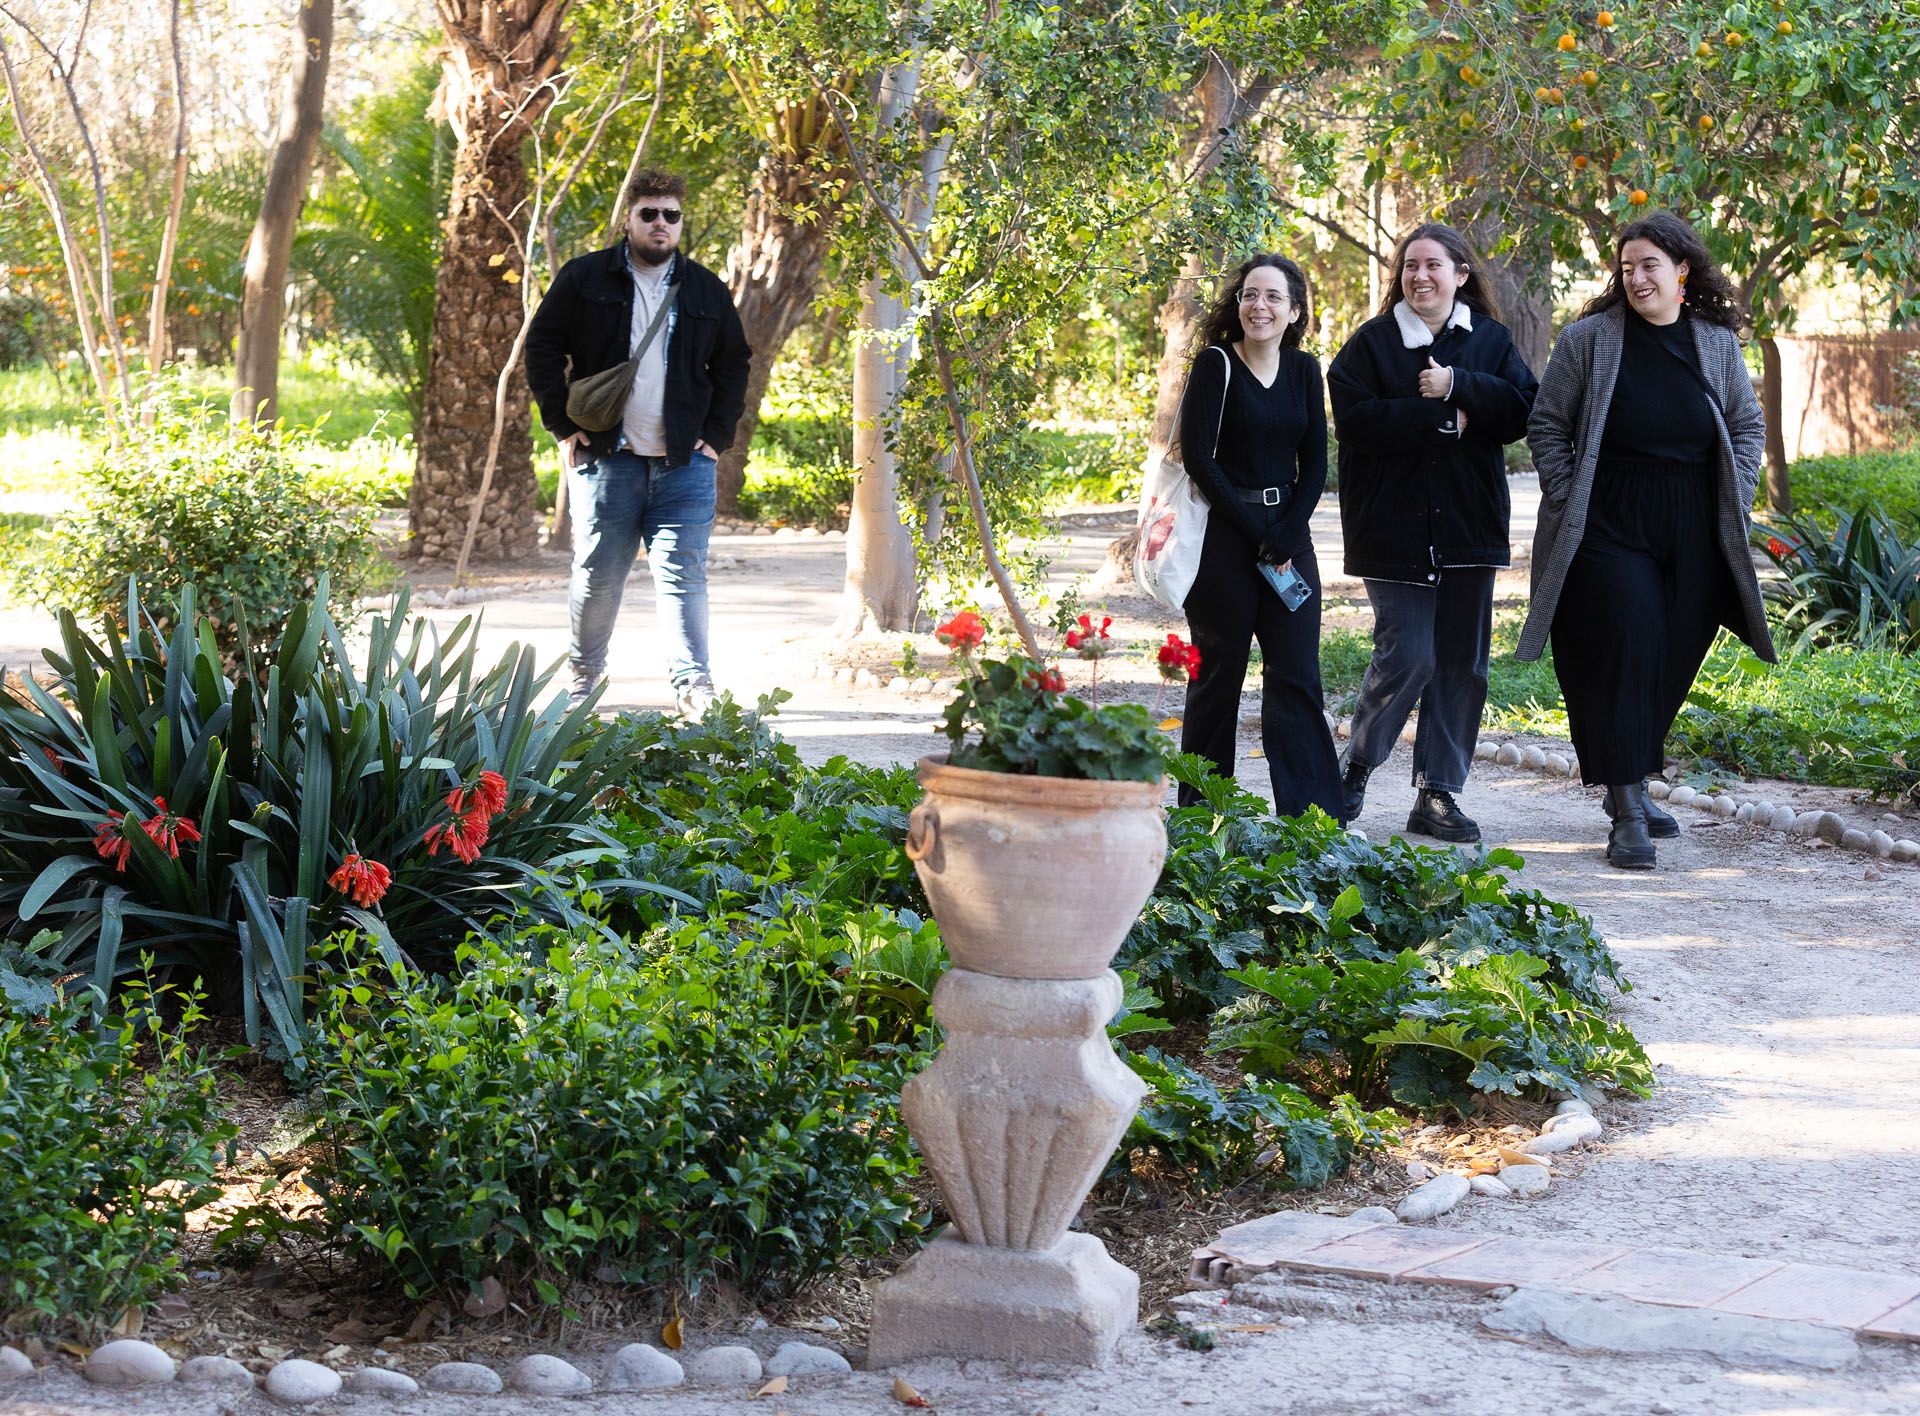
x,y
670,215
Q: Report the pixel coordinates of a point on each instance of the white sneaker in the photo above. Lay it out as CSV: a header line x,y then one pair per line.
x,y
694,699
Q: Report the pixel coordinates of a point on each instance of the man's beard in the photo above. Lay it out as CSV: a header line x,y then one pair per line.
x,y
649,257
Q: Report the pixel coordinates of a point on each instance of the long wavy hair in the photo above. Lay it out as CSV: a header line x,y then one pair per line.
x,y
1477,294
1222,322
1708,292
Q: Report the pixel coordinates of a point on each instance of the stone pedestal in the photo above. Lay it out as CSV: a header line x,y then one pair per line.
x,y
1016,1117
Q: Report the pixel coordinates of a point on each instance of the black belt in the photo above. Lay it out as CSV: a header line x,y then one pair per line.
x,y
1266,496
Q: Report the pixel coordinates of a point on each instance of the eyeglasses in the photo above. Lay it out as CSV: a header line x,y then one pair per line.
x,y
1276,298
670,215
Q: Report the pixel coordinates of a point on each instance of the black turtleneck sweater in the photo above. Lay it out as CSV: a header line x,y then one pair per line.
x,y
1659,411
1268,437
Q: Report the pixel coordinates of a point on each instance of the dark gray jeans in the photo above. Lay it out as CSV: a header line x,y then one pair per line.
x,y
1430,646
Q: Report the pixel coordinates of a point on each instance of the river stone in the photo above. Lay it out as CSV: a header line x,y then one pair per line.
x,y
1659,790
1493,1187
1783,818
1906,849
1745,813
1434,1198
298,1382
1558,764
379,1381
214,1372
542,1375
923,684
1570,1131
128,1362
803,1359
1574,1106
1724,807
1507,755
1484,751
468,1378
1829,827
1526,1182
865,678
15,1364
1375,1214
1882,844
724,1366
1854,839
638,1367
1682,795
1346,727
1532,758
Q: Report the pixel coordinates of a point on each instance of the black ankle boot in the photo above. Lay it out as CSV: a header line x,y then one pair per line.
x,y
1435,814
1629,846
1660,826
1353,785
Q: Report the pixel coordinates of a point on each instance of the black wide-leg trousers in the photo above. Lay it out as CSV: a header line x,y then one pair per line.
x,y
1647,592
1230,606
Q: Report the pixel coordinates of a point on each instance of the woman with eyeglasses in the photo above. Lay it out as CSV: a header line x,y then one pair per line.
x,y
1425,396
1253,435
1648,438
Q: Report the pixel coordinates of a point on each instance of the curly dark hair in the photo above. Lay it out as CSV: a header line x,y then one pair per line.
x,y
1477,295
655,182
1708,292
1222,322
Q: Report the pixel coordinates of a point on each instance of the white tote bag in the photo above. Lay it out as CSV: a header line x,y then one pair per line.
x,y
1172,522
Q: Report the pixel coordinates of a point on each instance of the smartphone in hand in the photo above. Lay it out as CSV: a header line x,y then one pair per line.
x,y
1288,584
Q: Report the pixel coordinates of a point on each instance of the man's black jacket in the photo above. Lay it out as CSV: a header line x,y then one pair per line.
x,y
585,324
1414,497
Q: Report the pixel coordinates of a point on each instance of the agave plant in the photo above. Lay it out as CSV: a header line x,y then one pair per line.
x,y
1859,584
153,803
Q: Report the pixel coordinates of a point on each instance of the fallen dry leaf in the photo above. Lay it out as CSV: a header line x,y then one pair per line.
x,y
1256,1327
424,1320
489,1302
273,1353
129,1323
907,1396
1167,725
1520,1157
772,1388
355,1329
670,1334
74,1349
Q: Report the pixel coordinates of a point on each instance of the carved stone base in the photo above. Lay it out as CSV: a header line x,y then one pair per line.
x,y
1068,1304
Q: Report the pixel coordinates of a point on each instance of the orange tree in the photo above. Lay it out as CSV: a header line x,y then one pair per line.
x,y
1785,131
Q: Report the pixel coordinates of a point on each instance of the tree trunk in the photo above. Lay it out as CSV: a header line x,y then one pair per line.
x,y
773,271
1519,281
157,348
263,298
1772,399
882,589
476,315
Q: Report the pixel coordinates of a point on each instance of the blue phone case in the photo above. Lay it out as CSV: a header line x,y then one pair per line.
x,y
1288,584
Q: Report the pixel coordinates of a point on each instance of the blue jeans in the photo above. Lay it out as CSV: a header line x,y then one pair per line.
x,y
621,502
1430,647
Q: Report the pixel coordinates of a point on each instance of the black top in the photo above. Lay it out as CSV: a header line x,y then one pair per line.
x,y
1416,495
585,325
1659,411
1268,437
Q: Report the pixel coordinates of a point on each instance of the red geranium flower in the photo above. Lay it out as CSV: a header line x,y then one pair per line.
x,y
964,631
1178,660
361,880
111,842
1047,680
1090,641
168,829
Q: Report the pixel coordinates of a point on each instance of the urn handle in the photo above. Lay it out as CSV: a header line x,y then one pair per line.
x,y
923,829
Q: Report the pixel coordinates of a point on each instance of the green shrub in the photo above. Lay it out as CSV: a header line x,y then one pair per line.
x,y
681,1112
1858,585
111,1136
801,472
200,500
1887,480
270,781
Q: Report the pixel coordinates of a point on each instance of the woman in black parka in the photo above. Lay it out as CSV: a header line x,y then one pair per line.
x,y
1425,396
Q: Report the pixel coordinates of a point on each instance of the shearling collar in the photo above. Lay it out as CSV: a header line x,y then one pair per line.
x,y
1413,330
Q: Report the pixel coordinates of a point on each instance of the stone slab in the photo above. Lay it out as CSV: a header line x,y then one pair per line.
x,y
1831,1297
1676,1278
1903,1322
1501,1262
1266,1241
1384,1253
1592,1323
1068,1304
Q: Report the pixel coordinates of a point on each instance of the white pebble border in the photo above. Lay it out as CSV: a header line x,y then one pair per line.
x,y
1725,806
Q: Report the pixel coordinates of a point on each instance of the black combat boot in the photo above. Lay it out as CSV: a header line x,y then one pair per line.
x,y
1629,846
1660,826
1434,814
1353,785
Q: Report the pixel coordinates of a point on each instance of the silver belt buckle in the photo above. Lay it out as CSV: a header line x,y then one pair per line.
x,y
1269,496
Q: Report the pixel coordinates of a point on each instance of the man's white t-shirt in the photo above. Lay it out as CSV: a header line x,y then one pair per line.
x,y
643,422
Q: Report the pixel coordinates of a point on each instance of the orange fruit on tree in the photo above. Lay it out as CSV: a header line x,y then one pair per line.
x,y
1706,122
1579,125
1580,163
1569,42
1591,79
1784,27
1704,50
1637,197
1735,39
1541,93
1604,19
1557,95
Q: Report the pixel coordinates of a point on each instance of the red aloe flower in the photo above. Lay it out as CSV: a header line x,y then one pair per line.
x,y
54,758
1778,548
167,829
464,836
964,631
491,793
361,880
111,842
1178,660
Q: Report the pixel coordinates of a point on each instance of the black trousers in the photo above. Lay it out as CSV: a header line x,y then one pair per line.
x,y
1231,605
1647,592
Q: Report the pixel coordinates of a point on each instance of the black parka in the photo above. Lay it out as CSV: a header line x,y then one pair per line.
x,y
1415,497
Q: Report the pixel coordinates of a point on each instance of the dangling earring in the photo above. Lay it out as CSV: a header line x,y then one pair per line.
x,y
1683,288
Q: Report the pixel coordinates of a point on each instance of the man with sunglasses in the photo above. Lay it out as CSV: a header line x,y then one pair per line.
x,y
649,480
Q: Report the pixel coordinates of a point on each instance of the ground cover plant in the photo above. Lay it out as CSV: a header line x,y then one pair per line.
x,y
111,1134
1888,481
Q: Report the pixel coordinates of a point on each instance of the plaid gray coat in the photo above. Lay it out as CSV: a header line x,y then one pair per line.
x,y
1569,417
